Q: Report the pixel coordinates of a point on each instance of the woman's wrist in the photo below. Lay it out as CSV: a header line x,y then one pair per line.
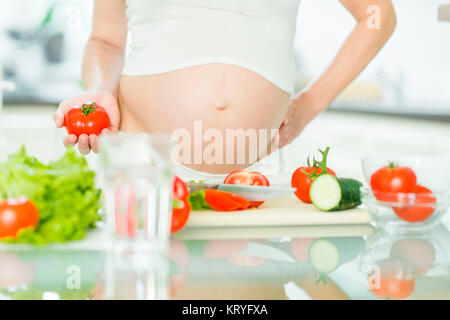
x,y
103,90
314,100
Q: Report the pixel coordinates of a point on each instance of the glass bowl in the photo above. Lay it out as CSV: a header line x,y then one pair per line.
x,y
409,213
405,266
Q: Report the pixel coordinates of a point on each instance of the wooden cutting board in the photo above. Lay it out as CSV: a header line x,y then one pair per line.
x,y
281,212
275,232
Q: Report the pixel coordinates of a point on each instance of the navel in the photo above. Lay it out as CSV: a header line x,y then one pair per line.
x,y
221,106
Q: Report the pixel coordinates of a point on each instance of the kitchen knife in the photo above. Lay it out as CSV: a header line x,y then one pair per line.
x,y
251,193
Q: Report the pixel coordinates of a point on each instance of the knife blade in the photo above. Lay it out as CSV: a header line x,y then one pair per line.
x,y
251,193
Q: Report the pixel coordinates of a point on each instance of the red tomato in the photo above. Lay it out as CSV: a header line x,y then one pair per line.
x,y
14,272
179,255
181,208
180,189
17,214
419,254
225,201
303,177
300,248
394,281
180,214
302,182
177,283
89,119
247,178
392,179
417,212
126,220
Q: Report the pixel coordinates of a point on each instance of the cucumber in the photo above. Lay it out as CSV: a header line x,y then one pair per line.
x,y
324,256
327,254
329,193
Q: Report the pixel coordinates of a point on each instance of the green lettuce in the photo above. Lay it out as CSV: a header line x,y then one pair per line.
x,y
198,201
63,191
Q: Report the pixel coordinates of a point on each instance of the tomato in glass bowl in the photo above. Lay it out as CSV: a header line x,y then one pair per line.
x,y
406,195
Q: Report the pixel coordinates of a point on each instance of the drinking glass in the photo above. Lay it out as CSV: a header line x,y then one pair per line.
x,y
136,181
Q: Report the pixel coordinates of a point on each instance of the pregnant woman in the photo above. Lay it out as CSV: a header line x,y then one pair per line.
x,y
223,64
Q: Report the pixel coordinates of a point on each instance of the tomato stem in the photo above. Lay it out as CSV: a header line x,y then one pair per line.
x,y
88,108
392,164
318,164
321,277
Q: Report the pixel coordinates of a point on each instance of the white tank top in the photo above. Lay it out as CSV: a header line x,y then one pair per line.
x,y
257,35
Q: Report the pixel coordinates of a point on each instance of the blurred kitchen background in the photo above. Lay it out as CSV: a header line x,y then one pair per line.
x,y
43,42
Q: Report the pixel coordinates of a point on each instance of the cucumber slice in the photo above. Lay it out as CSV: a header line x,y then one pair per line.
x,y
326,192
329,193
327,254
324,256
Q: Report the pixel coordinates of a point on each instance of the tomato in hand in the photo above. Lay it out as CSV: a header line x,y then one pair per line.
x,y
225,201
17,214
303,177
391,179
181,208
247,178
89,119
418,211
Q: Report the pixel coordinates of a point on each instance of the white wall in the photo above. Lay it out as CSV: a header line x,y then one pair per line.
x,y
417,56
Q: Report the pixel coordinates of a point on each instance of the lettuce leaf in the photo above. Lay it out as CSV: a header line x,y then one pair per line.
x,y
63,191
198,201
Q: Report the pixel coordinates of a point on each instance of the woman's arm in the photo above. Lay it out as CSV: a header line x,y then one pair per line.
x,y
362,45
102,66
104,53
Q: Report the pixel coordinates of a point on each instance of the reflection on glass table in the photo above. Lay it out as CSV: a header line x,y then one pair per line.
x,y
400,267
270,263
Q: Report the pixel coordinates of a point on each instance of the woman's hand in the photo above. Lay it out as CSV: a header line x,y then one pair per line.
x,y
105,99
302,109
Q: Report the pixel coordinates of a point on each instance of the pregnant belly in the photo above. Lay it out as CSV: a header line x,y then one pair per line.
x,y
224,106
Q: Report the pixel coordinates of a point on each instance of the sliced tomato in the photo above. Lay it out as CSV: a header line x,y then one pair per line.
x,y
180,214
17,214
181,207
180,189
126,223
225,201
418,211
179,255
247,178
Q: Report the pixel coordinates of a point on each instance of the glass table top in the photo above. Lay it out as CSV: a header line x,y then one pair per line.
x,y
320,262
